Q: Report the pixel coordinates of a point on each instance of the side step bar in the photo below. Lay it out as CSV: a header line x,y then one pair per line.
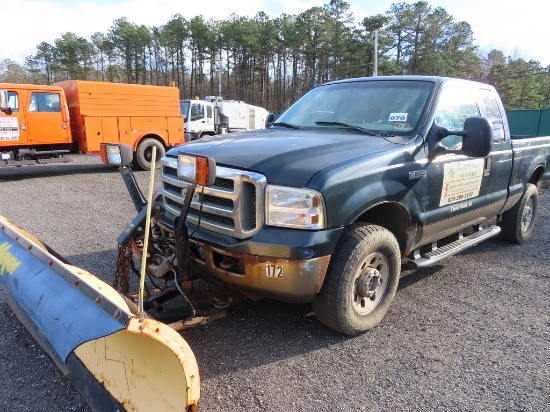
x,y
424,260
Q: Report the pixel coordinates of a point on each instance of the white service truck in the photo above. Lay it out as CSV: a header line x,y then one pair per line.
x,y
214,115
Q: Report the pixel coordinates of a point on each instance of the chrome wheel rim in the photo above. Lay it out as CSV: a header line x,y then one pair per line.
x,y
369,284
527,216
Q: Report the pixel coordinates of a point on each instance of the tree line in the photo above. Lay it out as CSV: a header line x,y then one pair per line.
x,y
271,62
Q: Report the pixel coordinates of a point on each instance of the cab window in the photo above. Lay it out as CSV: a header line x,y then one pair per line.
x,y
13,101
455,105
494,115
197,112
184,110
44,102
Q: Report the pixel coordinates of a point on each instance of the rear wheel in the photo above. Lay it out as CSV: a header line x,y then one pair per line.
x,y
361,281
144,153
518,223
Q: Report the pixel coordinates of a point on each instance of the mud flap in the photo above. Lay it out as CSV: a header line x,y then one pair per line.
x,y
117,361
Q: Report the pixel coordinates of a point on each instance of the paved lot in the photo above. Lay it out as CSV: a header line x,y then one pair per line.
x,y
472,334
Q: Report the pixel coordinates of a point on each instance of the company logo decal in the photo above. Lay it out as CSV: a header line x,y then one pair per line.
x,y
8,262
461,181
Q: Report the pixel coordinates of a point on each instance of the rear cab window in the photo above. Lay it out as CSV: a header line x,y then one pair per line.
x,y
494,114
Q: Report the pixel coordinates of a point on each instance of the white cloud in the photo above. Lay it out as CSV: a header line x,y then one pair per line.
x,y
44,21
508,25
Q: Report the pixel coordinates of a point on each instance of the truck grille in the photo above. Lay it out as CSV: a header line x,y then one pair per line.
x,y
232,205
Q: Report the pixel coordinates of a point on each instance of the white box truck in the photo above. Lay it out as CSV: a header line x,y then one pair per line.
x,y
214,115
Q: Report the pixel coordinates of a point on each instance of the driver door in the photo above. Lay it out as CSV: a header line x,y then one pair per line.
x,y
456,186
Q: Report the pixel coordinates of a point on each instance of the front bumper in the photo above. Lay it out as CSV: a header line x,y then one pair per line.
x,y
262,276
283,264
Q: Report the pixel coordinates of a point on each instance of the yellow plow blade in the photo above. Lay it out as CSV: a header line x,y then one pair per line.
x,y
117,361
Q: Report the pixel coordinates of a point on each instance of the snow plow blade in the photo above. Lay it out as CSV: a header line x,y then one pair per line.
x,y
116,360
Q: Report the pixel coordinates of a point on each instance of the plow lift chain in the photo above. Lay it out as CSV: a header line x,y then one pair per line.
x,y
121,282
155,297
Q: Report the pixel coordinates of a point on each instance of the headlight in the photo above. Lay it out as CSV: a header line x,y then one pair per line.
x,y
297,208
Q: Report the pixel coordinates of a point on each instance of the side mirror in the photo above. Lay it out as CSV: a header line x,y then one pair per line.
x,y
479,136
4,108
476,138
269,120
116,154
65,113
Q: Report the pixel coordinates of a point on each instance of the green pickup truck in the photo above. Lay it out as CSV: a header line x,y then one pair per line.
x,y
354,179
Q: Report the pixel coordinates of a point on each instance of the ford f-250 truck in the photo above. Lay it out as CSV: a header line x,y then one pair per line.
x,y
355,178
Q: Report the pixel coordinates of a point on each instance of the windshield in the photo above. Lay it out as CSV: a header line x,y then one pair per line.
x,y
184,110
382,106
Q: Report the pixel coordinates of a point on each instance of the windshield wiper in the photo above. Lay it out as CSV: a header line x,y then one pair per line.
x,y
287,125
349,126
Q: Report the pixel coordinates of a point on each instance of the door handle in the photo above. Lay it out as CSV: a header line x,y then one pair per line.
x,y
487,169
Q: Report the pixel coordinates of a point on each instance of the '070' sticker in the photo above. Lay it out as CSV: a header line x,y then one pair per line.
x,y
398,117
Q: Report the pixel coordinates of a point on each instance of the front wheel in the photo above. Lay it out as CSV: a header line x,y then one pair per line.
x,y
361,281
518,222
144,153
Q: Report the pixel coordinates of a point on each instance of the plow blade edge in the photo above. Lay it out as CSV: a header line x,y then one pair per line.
x,y
116,360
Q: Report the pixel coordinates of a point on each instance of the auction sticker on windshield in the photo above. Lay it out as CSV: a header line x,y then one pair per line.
x,y
9,129
461,181
398,117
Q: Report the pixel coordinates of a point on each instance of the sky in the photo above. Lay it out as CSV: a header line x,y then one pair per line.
x,y
518,28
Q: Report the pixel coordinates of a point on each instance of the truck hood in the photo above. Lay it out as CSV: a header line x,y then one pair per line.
x,y
287,157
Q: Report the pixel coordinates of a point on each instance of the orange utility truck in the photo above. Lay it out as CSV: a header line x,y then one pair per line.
x,y
47,122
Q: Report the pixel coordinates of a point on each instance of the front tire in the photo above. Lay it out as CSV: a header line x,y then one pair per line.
x,y
361,281
144,153
518,222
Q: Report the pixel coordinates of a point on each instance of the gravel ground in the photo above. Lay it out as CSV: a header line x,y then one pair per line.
x,y
472,334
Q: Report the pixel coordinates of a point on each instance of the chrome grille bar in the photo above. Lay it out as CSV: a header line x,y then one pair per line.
x,y
232,205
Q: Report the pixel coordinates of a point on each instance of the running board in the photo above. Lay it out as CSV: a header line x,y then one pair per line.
x,y
423,260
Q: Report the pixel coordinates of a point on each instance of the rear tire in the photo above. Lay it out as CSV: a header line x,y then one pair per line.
x,y
361,281
144,153
518,223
